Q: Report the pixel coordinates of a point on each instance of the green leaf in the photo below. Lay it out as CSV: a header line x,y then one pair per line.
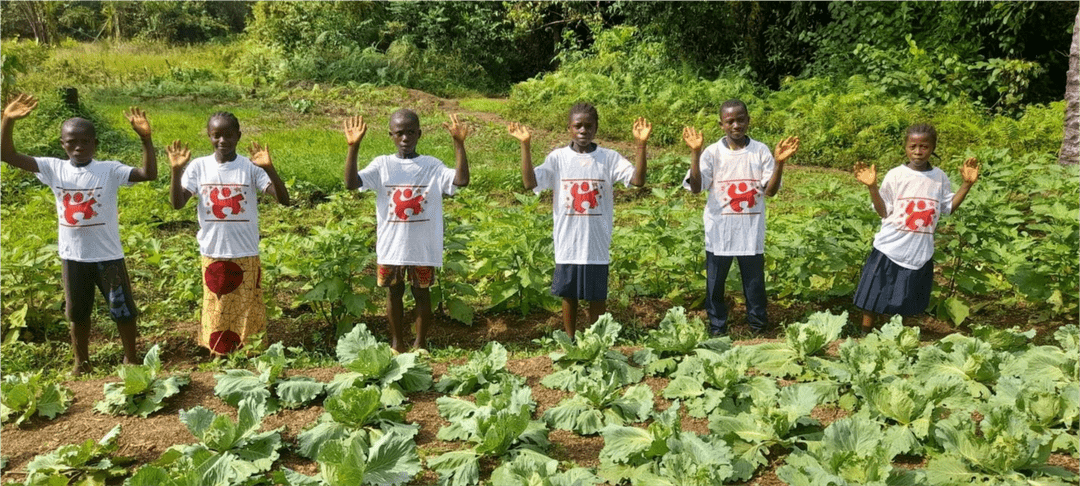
x,y
456,468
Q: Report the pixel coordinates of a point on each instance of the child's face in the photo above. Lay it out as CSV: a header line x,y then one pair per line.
x,y
79,142
582,129
405,132
734,121
223,137
918,148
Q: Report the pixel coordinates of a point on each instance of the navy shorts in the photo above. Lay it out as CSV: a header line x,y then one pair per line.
x,y
109,277
581,282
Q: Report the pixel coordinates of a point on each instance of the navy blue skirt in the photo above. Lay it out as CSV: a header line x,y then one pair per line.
x,y
581,282
887,288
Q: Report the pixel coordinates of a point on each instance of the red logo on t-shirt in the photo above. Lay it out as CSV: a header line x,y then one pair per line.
x,y
76,205
584,194
223,198
742,196
407,202
920,214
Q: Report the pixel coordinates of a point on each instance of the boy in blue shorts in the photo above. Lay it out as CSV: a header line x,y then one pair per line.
x,y
582,176
89,232
409,189
738,173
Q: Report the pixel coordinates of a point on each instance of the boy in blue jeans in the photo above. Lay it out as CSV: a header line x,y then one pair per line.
x,y
88,226
739,172
582,176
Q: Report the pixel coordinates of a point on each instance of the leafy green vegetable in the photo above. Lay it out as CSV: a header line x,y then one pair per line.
x,y
141,392
853,451
590,352
22,395
484,367
351,411
268,383
598,404
529,468
674,338
376,459
88,463
256,451
373,363
802,343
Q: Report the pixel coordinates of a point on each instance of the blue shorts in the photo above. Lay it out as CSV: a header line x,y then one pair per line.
x,y
581,282
110,277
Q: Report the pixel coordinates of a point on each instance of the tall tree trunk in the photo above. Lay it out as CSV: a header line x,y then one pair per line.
x,y
1070,145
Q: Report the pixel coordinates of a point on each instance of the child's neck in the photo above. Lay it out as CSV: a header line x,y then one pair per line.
x,y
224,159
736,144
583,150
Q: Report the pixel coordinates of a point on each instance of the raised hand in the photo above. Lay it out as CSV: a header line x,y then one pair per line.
x,y
260,155
457,129
179,154
693,138
970,170
355,128
866,174
21,106
138,120
519,132
642,129
786,148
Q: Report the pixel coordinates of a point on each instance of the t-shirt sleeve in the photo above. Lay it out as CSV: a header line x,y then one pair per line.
x,y
262,179
546,174
706,166
46,170
623,171
190,180
768,166
122,173
446,180
887,192
369,176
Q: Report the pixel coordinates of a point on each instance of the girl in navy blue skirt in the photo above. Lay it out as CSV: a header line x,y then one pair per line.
x,y
899,272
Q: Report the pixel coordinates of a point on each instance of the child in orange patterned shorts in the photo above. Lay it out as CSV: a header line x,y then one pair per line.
x,y
409,189
226,183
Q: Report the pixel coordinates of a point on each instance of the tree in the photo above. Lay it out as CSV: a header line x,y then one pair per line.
x,y
1070,145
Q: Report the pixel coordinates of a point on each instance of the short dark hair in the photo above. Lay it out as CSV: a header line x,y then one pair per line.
x,y
231,118
83,123
921,129
585,109
733,103
407,114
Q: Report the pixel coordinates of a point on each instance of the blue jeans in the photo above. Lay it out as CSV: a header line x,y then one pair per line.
x,y
752,268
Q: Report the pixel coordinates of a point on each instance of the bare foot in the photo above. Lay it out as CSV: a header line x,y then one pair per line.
x,y
80,368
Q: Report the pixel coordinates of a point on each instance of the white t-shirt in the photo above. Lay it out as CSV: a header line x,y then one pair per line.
x,y
408,207
228,204
86,210
914,201
735,210
583,203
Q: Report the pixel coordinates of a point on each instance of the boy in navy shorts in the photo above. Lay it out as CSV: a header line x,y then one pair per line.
x,y
582,176
89,234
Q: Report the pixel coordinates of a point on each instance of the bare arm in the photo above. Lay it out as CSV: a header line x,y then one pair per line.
x,y
179,155
141,125
694,139
355,128
260,156
970,172
528,176
642,129
868,176
784,150
458,131
19,107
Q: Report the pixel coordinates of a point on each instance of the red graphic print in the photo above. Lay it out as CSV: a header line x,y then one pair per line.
x,y
223,277
742,196
224,342
918,215
226,200
86,208
583,195
407,200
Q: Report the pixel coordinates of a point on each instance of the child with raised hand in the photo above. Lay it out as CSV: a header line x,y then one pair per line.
x,y
409,189
227,184
582,176
88,225
899,273
738,173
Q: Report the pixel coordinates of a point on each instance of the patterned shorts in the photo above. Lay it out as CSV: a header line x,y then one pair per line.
x,y
110,278
417,276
